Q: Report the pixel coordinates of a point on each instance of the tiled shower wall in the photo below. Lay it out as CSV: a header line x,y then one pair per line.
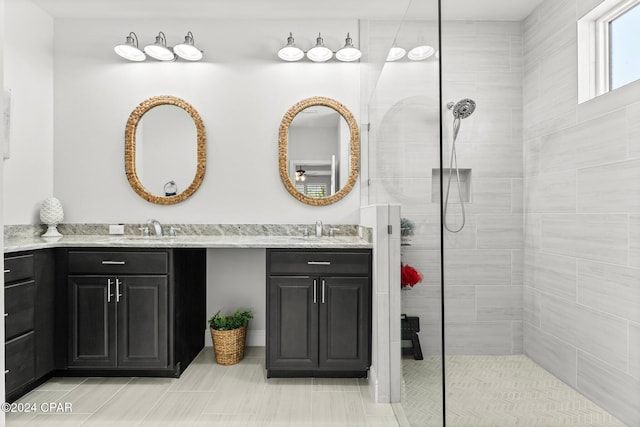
x,y
582,219
483,275
483,263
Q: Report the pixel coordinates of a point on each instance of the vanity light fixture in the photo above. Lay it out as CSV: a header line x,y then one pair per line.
x,y
187,50
319,53
348,53
290,52
129,49
159,49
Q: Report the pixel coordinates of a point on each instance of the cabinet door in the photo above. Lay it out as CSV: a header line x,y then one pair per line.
x,y
345,320
292,323
142,321
91,322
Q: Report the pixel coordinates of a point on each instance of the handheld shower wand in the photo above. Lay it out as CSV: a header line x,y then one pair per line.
x,y
461,110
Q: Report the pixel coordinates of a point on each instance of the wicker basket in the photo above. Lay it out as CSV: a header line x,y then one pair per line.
x,y
229,345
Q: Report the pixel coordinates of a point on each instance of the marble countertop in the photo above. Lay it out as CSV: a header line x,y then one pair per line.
x,y
16,244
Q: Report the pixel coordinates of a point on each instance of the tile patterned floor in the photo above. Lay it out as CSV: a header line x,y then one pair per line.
x,y
498,391
208,394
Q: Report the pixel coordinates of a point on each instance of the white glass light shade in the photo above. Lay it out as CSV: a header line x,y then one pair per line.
x,y
348,53
290,52
129,49
319,53
420,53
395,53
187,50
190,53
159,49
161,53
51,213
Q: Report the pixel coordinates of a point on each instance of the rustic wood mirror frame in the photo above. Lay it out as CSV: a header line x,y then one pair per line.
x,y
354,150
130,149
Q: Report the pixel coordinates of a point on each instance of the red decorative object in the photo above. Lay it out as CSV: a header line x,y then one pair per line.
x,y
409,276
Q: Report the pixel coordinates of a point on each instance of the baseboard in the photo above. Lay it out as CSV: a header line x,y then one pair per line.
x,y
374,388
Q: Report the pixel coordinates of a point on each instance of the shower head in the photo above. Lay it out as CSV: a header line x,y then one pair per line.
x,y
463,108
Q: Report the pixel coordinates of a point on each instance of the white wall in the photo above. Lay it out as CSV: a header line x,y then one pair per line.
x,y
236,280
309,143
28,67
241,91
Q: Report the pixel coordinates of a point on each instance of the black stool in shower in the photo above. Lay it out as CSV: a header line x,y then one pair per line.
x,y
409,327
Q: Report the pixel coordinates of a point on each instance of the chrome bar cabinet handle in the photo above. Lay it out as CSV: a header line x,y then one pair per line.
x,y
315,290
118,294
319,262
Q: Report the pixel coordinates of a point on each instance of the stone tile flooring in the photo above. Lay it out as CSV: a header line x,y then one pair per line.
x,y
208,394
498,391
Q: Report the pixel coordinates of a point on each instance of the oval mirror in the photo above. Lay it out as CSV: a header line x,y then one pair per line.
x,y
165,150
319,151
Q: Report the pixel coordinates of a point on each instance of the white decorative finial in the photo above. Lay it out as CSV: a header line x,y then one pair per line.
x,y
51,213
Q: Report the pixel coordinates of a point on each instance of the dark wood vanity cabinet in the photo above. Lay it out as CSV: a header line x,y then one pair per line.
x,y
118,309
130,311
318,312
101,312
29,320
118,320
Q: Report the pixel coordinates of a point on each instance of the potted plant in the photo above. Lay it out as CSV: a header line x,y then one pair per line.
x,y
228,334
407,229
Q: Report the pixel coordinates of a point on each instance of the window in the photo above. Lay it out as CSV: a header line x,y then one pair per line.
x,y
624,48
608,48
312,189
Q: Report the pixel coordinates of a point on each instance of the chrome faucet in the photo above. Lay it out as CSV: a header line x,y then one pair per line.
x,y
318,228
154,224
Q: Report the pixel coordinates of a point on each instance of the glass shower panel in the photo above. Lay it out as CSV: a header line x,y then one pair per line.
x,y
403,153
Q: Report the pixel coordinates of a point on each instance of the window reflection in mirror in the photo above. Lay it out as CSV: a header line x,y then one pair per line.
x,y
319,141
